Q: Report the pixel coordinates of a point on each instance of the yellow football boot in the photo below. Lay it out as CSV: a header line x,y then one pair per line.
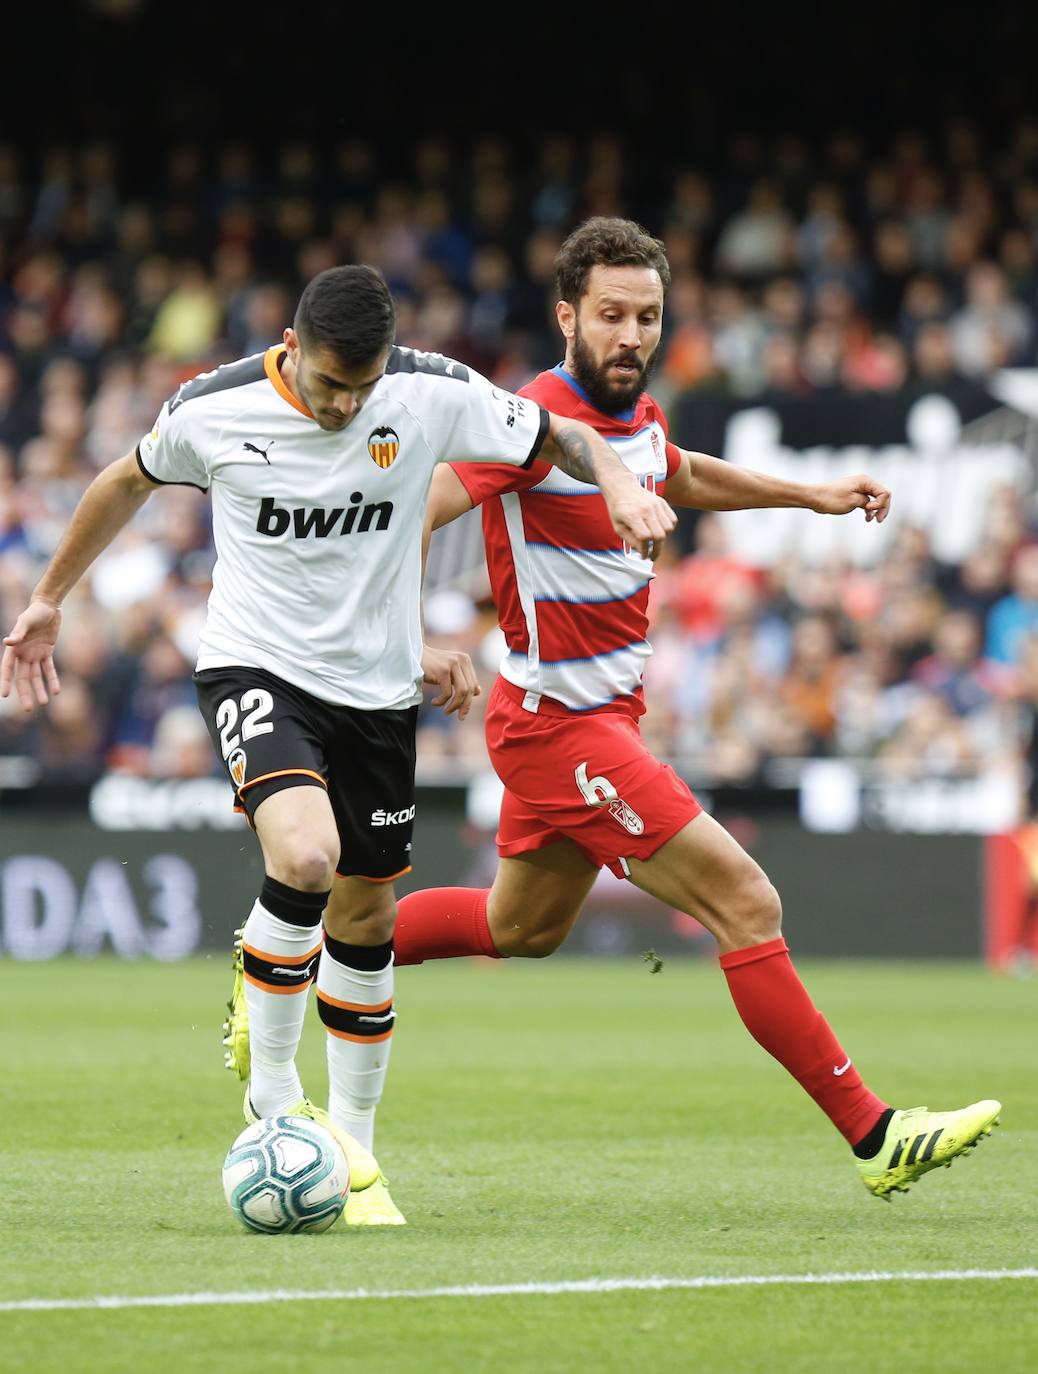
x,y
918,1140
236,1055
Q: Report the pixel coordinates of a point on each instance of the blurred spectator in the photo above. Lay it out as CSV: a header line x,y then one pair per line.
x,y
758,241
809,687
688,350
924,302
1015,616
894,260
956,671
933,355
181,747
187,321
991,330
931,740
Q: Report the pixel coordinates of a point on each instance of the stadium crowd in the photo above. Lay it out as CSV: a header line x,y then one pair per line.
x,y
798,270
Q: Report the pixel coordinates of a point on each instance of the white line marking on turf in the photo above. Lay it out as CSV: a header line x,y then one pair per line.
x,y
504,1290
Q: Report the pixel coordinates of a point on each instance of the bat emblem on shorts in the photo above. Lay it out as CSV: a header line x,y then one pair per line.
x,y
236,766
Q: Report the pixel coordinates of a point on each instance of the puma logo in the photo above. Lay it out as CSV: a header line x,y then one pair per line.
x,y
838,1073
303,972
261,452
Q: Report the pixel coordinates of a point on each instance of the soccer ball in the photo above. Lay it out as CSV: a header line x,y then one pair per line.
x,y
286,1173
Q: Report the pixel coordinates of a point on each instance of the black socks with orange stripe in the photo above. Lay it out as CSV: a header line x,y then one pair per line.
x,y
281,947
355,1000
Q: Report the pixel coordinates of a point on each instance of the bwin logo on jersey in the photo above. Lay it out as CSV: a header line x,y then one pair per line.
x,y
275,520
383,445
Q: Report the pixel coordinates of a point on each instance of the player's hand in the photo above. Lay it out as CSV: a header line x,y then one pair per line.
x,y
859,492
641,518
28,659
451,670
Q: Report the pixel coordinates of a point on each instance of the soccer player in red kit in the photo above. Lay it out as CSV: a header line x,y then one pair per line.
x,y
581,788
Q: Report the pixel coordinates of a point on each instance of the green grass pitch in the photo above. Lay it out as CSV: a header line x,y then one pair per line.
x,y
543,1123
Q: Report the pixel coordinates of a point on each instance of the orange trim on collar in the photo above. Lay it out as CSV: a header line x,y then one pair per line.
x,y
271,359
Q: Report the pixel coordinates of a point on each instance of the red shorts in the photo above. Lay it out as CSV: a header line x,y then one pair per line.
x,y
585,777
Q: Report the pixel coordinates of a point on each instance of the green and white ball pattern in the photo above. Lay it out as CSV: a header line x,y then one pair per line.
x,y
286,1174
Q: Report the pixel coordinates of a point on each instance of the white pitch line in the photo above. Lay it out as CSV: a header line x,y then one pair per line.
x,y
504,1290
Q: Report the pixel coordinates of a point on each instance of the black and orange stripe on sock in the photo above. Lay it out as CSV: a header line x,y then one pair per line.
x,y
278,973
365,1025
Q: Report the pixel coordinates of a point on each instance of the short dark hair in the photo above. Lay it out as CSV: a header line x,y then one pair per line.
x,y
350,311
606,241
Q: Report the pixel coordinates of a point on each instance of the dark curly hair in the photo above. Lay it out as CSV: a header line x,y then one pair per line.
x,y
606,241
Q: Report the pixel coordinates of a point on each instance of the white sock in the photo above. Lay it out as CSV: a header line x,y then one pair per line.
x,y
280,961
356,1006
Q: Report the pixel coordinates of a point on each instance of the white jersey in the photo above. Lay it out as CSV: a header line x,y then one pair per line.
x,y
318,533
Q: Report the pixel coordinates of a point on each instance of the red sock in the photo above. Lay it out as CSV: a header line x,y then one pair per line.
x,y
779,1014
442,923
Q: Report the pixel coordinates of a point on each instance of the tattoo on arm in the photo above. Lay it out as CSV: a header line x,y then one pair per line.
x,y
575,454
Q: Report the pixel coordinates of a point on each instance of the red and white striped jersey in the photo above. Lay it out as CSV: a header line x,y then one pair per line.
x,y
571,598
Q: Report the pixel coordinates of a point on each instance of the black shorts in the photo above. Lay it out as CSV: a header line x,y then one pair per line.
x,y
272,735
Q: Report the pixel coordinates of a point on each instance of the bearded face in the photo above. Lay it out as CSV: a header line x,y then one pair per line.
x,y
614,382
613,334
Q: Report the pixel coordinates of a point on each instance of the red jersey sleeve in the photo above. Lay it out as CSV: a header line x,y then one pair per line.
x,y
673,452
484,480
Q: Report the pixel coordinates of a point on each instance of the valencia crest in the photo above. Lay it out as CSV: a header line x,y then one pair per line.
x,y
383,445
236,766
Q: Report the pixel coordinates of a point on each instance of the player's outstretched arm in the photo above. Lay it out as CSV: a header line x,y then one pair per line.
x,y
707,483
640,517
110,500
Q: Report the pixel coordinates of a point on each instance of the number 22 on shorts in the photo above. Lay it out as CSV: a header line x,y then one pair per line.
x,y
256,705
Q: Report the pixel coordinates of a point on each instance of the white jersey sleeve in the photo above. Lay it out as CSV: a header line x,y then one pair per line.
x,y
478,422
168,456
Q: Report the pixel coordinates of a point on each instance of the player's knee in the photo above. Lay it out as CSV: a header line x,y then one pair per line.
x,y
538,944
521,939
754,914
307,866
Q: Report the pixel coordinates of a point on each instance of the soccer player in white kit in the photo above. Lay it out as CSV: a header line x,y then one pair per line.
x,y
318,456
